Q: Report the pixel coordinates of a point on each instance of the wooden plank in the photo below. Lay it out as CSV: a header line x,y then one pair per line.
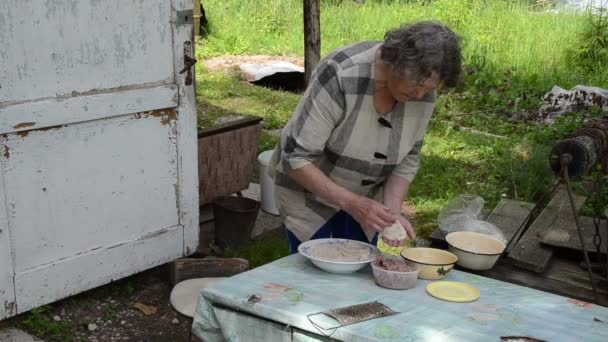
x,y
24,117
561,278
54,48
187,143
189,268
528,252
7,287
312,36
508,216
566,236
90,185
62,278
570,271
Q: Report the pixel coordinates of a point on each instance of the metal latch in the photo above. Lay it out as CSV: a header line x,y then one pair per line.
x,y
184,17
189,62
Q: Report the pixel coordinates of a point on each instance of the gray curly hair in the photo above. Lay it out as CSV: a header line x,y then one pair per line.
x,y
423,48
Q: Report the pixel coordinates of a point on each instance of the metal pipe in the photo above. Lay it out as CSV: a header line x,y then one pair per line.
x,y
564,161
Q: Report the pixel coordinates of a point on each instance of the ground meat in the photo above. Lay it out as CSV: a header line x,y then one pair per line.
x,y
394,264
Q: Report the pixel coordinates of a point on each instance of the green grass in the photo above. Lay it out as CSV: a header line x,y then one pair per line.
x,y
223,93
270,247
502,35
40,323
513,55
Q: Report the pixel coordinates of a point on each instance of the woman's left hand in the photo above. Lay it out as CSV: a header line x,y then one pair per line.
x,y
408,229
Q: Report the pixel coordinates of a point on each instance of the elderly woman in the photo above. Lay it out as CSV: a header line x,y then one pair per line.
x,y
350,151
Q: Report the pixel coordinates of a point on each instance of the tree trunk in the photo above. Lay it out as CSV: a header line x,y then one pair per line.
x,y
312,36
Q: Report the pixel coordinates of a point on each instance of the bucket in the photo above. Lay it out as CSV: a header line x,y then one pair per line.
x,y
267,184
234,220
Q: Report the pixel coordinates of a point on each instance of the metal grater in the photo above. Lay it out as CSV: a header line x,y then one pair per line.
x,y
353,314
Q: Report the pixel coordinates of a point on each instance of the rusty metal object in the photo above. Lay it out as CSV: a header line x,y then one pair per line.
x,y
189,62
564,172
587,147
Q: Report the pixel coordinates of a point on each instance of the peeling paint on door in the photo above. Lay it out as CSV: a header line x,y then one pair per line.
x,y
24,125
10,308
167,115
24,134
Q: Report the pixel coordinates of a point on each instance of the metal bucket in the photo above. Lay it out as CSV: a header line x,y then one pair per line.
x,y
234,220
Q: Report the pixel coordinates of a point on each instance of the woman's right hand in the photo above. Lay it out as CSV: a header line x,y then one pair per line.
x,y
371,214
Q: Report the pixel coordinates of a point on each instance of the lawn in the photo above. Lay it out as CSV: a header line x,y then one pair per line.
x,y
513,53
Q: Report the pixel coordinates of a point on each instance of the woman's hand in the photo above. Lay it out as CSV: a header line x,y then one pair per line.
x,y
370,214
409,229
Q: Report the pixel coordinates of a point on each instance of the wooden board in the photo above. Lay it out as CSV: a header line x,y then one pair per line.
x,y
72,275
90,185
567,237
186,129
508,216
563,277
8,302
62,48
528,252
189,268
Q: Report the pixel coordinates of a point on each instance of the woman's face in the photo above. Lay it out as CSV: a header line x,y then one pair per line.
x,y
405,88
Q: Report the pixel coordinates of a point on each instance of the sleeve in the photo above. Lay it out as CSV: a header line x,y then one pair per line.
x,y
320,110
410,163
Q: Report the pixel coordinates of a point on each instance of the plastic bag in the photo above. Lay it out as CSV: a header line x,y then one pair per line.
x,y
460,208
463,213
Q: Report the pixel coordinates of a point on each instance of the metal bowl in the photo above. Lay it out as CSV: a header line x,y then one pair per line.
x,y
434,263
475,251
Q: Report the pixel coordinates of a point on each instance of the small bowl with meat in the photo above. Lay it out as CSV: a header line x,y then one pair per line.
x,y
395,273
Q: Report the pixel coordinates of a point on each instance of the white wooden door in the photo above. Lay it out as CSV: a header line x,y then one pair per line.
x,y
98,170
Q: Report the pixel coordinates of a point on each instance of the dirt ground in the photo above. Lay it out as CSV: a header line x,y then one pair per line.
x,y
228,62
108,313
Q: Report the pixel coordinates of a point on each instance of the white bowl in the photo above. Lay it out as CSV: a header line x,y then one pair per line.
x,y
475,251
334,266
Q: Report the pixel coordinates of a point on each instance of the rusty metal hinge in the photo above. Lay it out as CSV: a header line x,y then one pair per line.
x,y
189,62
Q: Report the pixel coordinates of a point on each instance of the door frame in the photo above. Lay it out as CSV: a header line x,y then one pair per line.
x,y
187,128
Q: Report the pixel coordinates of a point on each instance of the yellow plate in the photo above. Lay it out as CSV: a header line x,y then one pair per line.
x,y
453,291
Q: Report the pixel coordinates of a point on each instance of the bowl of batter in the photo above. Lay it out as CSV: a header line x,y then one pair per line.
x,y
338,255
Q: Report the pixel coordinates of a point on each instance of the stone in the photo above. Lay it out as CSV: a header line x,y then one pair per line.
x,y
92,327
16,335
256,72
56,318
175,321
